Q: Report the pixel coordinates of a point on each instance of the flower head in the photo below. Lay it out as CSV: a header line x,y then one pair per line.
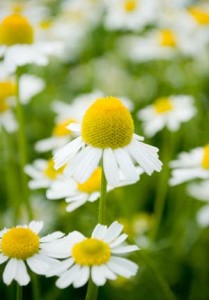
x,y
22,245
107,133
95,257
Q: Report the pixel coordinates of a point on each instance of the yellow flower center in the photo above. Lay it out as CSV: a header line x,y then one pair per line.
x,y
61,130
7,89
20,243
91,252
130,5
107,124
15,29
163,105
45,24
205,159
93,184
167,38
200,16
50,171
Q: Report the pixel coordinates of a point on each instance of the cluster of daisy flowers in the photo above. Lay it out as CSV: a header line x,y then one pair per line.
x,y
74,258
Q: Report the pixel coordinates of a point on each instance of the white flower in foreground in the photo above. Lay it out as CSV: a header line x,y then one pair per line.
x,y
130,14
18,46
77,194
107,134
42,173
189,166
200,191
97,257
167,112
22,245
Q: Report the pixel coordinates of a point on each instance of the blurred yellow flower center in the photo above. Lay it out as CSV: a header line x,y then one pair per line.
x,y
167,38
107,124
15,29
50,170
20,243
93,184
17,8
163,105
7,89
45,24
91,252
205,160
61,130
130,5
200,16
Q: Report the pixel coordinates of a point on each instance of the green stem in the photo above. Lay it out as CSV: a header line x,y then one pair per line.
x,y
35,287
92,291
22,148
102,200
19,292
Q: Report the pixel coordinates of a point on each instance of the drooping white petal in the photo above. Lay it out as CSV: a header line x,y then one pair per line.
x,y
68,277
94,196
3,258
110,167
59,268
74,205
36,226
10,271
51,237
82,278
40,263
107,272
113,232
22,276
122,266
97,275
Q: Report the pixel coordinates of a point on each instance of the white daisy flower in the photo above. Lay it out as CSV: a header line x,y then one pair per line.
x,y
189,166
167,112
18,46
42,173
22,245
97,257
130,14
107,133
200,191
77,194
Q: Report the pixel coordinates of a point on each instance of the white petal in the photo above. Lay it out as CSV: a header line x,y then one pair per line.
x,y
110,167
22,276
39,263
3,258
68,277
74,127
82,278
51,237
125,249
122,266
66,153
74,205
94,196
113,232
119,240
10,271
36,226
126,165
107,272
98,276
99,231
59,268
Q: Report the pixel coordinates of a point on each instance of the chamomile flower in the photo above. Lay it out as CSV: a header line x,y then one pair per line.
x,y
189,166
17,43
21,246
130,14
97,257
200,191
42,173
167,112
107,134
77,194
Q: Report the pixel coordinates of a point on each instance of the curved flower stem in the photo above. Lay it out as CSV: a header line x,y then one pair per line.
x,y
22,147
19,292
102,200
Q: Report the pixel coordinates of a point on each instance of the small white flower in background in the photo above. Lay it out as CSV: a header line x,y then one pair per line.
x,y
97,257
200,191
29,87
22,245
18,45
191,165
42,173
130,14
107,134
167,112
77,194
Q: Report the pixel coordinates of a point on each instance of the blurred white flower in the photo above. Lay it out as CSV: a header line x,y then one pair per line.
x,y
97,257
167,112
191,165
